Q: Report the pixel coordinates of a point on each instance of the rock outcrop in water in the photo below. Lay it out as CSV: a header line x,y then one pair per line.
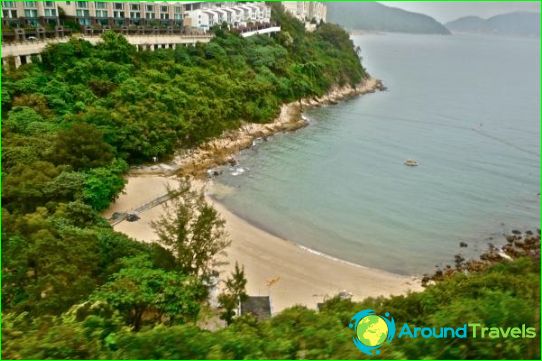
x,y
519,244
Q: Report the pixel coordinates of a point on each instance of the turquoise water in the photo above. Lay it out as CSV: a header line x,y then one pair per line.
x,y
465,107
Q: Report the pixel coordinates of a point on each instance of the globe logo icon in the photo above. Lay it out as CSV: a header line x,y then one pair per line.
x,y
372,331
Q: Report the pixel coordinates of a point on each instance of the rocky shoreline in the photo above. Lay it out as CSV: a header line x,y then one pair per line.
x,y
519,244
219,151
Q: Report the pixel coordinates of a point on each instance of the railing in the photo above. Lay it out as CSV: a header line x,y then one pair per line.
x,y
9,38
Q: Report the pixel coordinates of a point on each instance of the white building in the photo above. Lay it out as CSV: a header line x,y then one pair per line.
x,y
307,11
234,14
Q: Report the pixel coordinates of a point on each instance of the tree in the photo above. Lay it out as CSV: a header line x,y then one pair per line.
x,y
102,185
48,265
82,146
193,230
139,290
234,294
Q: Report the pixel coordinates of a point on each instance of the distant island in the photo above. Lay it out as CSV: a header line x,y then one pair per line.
x,y
372,16
512,24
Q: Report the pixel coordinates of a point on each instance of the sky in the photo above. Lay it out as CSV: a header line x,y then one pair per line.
x,y
447,11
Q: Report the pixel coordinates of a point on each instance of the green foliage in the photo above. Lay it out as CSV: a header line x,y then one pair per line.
x,y
102,185
138,289
24,120
71,124
39,183
193,231
82,147
503,295
234,293
48,264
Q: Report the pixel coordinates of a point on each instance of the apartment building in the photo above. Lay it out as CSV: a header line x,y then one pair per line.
x,y
307,11
201,15
29,13
124,13
88,13
234,14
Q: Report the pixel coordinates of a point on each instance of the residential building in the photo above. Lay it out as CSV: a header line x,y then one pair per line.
x,y
208,14
124,13
88,13
29,13
307,11
196,14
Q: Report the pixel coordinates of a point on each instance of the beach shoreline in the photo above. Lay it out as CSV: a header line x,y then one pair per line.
x,y
303,276
300,275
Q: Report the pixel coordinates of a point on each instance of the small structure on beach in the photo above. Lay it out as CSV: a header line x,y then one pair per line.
x,y
259,306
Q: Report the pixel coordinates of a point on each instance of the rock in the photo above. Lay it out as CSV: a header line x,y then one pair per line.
x,y
117,215
463,244
515,231
529,232
510,238
232,161
132,217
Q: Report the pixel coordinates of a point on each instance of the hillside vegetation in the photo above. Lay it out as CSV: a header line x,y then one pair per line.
x,y
71,126
503,295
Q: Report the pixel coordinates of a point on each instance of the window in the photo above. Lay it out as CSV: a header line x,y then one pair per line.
x,y
118,14
134,7
178,16
119,6
164,16
102,14
149,15
82,13
50,12
84,21
49,4
135,15
29,4
31,13
163,9
177,9
100,5
9,14
150,8
8,4
82,4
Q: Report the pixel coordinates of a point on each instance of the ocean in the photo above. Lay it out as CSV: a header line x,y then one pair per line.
x,y
466,107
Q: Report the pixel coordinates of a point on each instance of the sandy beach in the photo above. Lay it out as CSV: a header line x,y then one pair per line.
x,y
303,277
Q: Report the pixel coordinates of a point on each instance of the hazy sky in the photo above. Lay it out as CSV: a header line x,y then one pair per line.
x,y
446,11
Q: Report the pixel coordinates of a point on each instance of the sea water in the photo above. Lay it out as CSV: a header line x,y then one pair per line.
x,y
465,107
